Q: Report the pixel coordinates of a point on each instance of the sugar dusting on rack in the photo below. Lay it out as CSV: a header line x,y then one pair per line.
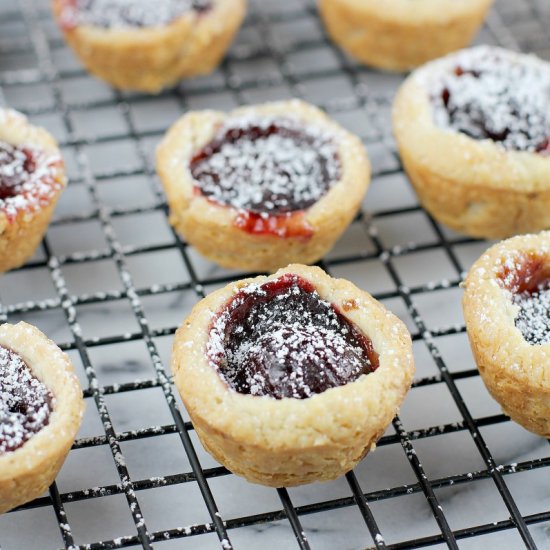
x,y
25,402
127,13
266,164
490,93
274,24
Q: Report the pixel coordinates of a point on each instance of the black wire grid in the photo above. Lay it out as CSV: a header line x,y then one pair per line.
x,y
290,55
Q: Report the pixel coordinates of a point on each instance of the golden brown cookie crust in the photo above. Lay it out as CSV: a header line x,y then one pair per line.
x,y
28,471
149,59
211,228
20,236
476,187
516,373
404,34
289,442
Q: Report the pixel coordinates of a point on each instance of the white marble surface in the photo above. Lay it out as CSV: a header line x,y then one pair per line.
x,y
400,518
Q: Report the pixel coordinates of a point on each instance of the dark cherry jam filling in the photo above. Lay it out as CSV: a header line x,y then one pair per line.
x,y
489,96
128,13
270,170
281,339
528,279
17,164
29,178
25,403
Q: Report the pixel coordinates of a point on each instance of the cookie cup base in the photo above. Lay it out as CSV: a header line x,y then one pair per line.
x,y
150,59
21,234
290,442
28,471
212,228
406,35
475,187
516,373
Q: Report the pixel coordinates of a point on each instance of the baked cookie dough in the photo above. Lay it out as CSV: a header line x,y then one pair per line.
x,y
507,311
41,409
144,45
473,132
291,378
32,177
262,186
401,34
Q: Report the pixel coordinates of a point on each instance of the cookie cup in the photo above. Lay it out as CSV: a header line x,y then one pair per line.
x,y
28,471
149,59
212,228
290,442
475,187
516,373
22,224
404,35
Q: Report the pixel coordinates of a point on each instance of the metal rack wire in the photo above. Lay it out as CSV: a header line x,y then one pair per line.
x,y
281,51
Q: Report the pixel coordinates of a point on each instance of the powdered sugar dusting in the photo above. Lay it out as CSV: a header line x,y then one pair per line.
x,y
28,178
525,277
267,165
533,318
490,93
128,13
281,339
25,402
509,271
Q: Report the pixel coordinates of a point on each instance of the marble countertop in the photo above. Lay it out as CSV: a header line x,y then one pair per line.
x,y
108,141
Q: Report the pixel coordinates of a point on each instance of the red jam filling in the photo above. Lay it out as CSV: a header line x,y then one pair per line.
x,y
17,164
271,170
527,277
127,13
25,402
29,178
489,96
281,339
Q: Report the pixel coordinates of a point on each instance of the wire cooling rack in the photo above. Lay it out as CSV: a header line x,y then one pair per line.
x,y
112,282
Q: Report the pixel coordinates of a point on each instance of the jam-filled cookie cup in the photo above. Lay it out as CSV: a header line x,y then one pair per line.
x,y
150,53
262,186
402,34
28,470
287,441
32,177
473,131
506,304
